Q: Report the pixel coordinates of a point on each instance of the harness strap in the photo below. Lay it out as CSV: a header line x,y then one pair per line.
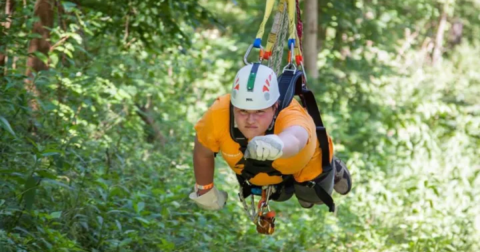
x,y
253,167
291,21
291,84
321,131
321,194
325,197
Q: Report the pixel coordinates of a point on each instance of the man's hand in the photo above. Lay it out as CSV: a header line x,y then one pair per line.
x,y
201,192
269,147
213,199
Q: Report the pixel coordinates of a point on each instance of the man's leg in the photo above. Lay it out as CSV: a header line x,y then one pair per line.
x,y
343,181
307,195
338,179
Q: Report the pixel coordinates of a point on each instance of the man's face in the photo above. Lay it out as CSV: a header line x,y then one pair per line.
x,y
254,123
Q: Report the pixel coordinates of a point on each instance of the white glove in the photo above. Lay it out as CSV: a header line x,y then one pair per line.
x,y
269,147
211,200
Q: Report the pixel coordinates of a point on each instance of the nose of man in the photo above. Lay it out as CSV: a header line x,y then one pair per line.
x,y
251,119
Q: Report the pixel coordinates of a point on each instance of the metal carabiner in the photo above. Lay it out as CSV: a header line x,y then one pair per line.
x,y
251,213
304,72
265,220
290,64
248,52
262,217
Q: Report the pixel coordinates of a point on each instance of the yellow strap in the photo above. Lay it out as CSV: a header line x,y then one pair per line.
x,y
291,19
272,36
266,15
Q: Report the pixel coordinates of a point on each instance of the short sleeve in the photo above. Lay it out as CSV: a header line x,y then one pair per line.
x,y
295,115
205,129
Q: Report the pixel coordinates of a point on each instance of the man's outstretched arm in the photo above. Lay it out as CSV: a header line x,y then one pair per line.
x,y
294,138
284,145
203,165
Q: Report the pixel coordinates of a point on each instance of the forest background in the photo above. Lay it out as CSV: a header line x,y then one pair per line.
x,y
98,100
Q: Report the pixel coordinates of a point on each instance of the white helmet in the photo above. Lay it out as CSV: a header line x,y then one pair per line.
x,y
255,87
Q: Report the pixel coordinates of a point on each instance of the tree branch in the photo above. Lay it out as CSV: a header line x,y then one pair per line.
x,y
61,41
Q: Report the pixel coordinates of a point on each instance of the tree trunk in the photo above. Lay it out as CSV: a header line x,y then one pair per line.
x,y
442,24
310,42
153,132
322,28
9,6
44,11
456,33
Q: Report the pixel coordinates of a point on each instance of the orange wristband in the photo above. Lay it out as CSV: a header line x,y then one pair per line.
x,y
204,187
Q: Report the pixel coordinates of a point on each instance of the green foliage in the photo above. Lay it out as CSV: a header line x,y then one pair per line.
x,y
158,24
88,171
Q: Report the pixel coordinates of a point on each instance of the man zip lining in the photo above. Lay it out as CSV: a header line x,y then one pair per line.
x,y
277,146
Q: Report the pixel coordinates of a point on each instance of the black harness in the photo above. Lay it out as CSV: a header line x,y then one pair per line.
x,y
290,84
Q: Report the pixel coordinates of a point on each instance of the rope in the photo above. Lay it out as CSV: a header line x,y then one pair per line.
x,y
299,61
277,47
272,36
274,50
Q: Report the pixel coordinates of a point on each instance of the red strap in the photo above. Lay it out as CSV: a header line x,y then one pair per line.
x,y
299,24
300,34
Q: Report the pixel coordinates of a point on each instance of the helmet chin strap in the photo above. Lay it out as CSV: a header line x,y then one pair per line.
x,y
272,124
235,125
270,128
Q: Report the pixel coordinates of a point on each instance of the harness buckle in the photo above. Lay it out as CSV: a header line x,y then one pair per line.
x,y
247,175
310,184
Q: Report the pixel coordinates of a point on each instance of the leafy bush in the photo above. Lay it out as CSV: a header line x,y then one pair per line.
x,y
105,163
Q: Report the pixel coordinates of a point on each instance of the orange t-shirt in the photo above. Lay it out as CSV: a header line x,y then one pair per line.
x,y
213,131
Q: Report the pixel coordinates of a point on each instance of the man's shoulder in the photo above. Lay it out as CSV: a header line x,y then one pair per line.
x,y
294,114
213,125
293,109
219,114
221,103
